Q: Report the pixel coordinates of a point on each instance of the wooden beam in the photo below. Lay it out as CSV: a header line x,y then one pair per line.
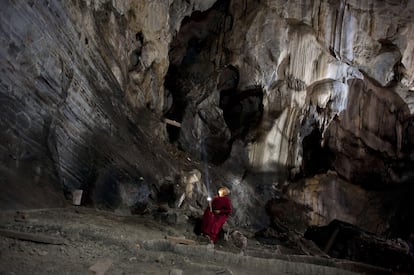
x,y
37,238
331,241
172,122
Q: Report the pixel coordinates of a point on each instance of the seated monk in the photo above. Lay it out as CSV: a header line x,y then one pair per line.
x,y
216,214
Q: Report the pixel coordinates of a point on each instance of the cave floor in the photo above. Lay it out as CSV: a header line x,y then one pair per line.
x,y
79,240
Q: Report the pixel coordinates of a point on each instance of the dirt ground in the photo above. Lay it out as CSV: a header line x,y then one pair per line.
x,y
79,240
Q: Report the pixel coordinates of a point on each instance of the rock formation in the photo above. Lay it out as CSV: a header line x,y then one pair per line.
x,y
265,93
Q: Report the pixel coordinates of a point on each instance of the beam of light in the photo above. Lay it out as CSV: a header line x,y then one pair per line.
x,y
204,157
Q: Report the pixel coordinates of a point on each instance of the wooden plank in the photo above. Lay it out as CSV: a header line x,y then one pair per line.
x,y
331,241
180,240
172,122
37,238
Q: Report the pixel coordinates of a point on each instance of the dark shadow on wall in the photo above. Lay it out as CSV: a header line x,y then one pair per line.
x,y
316,159
398,205
242,110
28,178
190,60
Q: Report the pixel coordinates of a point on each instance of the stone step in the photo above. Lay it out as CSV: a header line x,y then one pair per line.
x,y
283,264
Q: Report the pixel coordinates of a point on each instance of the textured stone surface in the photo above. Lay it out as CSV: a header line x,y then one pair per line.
x,y
267,92
308,53
327,68
328,197
343,240
372,136
77,78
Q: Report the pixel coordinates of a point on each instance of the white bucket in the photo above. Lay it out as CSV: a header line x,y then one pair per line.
x,y
77,196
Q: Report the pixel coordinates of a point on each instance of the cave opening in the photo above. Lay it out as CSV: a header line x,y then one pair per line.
x,y
242,110
316,158
191,62
179,102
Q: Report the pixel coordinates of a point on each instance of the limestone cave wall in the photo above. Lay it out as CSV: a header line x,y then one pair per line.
x,y
309,100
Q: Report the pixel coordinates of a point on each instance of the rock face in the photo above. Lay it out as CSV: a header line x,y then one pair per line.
x,y
264,92
345,241
328,197
310,58
77,80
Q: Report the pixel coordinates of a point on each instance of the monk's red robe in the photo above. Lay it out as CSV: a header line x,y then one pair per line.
x,y
212,223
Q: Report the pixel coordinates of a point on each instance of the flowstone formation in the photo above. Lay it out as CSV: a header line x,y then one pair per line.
x,y
274,99
275,91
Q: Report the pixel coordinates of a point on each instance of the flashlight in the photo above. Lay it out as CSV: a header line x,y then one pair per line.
x,y
209,203
208,198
